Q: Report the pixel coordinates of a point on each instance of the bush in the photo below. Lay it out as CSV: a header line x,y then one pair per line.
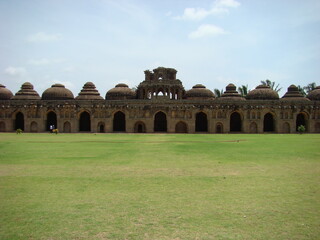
x,y
301,129
56,131
19,130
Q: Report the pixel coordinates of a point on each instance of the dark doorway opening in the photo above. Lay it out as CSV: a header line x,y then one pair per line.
x,y
139,127
119,122
19,122
235,122
219,128
201,122
268,123
101,128
160,122
181,127
51,121
85,122
301,120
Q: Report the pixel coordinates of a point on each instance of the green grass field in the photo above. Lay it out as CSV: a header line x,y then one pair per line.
x,y
126,186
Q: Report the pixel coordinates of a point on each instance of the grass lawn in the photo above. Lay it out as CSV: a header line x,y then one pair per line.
x,y
126,186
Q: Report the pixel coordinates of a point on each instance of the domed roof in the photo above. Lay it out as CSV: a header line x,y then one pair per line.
x,y
5,94
293,94
26,92
89,92
263,92
199,91
231,93
314,94
120,91
57,92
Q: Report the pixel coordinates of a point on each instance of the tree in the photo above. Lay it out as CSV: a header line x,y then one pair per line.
x,y
243,90
310,87
272,85
301,90
217,92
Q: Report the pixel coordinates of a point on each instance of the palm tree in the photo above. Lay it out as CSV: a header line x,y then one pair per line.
x,y
272,85
243,90
310,87
301,90
217,92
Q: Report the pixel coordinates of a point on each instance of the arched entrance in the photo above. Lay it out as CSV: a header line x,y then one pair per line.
x,y
33,127
253,127
181,127
2,127
119,122
268,123
219,128
101,127
201,122
286,127
51,120
67,127
235,122
19,121
301,120
160,122
139,127
85,122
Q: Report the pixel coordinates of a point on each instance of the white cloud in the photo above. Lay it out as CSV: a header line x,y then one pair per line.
x,y
15,71
207,30
44,37
219,7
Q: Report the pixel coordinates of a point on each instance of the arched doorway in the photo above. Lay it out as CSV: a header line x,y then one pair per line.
x,y
33,127
201,122
119,122
67,127
181,127
85,122
253,127
19,121
219,128
101,127
268,123
160,122
286,127
51,120
139,127
301,120
235,122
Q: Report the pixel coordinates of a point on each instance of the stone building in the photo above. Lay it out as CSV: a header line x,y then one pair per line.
x,y
159,104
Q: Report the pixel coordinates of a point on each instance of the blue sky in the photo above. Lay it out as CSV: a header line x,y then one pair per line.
x,y
209,42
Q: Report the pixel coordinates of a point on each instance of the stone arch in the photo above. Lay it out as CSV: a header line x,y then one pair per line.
x,y
201,122
101,127
139,127
85,122
317,127
286,127
2,127
302,119
235,122
51,120
67,127
181,127
219,128
34,127
119,122
19,121
253,128
268,122
160,122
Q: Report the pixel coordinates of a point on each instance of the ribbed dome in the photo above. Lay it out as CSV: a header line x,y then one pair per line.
x,y
199,91
231,93
314,94
26,92
57,92
263,92
293,94
89,92
120,92
5,94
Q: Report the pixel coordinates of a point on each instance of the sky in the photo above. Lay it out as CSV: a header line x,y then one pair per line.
x,y
211,42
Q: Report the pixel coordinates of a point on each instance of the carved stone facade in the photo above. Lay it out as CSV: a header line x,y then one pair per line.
x,y
159,104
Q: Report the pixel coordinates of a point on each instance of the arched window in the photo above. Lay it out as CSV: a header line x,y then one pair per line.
x,y
201,122
51,121
268,123
85,122
119,122
235,122
160,122
181,127
19,121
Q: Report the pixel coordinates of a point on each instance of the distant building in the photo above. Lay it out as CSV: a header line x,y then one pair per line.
x,y
159,104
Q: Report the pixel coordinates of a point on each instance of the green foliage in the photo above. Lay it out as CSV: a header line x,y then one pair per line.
x,y
310,87
159,186
301,90
19,131
301,129
272,85
56,131
218,92
243,90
